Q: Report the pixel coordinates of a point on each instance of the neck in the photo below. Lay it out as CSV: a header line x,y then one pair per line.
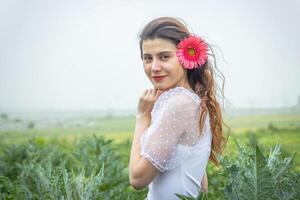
x,y
185,84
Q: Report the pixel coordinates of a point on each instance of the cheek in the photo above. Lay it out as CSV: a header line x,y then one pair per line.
x,y
147,70
177,69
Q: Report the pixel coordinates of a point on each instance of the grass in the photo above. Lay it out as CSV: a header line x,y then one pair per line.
x,y
121,129
267,130
242,124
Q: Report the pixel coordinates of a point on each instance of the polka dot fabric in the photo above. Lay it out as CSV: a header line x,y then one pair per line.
x,y
174,129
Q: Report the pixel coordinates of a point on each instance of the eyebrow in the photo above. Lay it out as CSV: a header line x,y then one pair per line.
x,y
160,53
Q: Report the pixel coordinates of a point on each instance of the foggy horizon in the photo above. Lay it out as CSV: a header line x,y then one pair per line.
x,y
75,55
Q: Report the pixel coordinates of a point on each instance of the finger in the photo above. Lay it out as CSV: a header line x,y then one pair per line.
x,y
144,94
154,94
147,96
158,93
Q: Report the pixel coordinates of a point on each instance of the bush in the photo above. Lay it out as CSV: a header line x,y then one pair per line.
x,y
4,116
252,176
92,171
272,127
30,125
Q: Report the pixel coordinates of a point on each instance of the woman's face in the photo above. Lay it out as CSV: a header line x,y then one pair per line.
x,y
161,64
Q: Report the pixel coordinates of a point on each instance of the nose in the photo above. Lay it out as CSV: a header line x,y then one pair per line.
x,y
155,66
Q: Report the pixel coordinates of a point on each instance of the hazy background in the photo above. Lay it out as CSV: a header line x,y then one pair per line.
x,y
84,55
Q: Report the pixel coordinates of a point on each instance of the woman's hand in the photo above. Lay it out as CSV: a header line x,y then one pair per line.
x,y
146,102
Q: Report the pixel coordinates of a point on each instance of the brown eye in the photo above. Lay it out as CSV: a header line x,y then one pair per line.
x,y
147,59
165,57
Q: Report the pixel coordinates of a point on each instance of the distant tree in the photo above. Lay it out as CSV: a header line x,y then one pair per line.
x,y
17,120
4,116
272,127
30,125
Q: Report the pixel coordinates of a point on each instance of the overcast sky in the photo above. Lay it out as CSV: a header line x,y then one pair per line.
x,y
71,54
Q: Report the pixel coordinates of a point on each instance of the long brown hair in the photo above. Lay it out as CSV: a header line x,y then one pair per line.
x,y
201,79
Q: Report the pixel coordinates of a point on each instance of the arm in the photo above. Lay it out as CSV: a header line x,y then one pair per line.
x,y
154,155
141,171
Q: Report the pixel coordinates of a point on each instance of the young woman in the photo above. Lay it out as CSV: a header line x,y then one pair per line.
x,y
179,122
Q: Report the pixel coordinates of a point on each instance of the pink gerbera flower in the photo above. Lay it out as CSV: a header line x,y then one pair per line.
x,y
192,52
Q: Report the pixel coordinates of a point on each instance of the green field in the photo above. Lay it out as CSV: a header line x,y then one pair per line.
x,y
285,131
265,130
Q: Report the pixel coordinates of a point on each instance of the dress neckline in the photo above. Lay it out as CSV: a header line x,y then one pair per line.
x,y
183,88
188,91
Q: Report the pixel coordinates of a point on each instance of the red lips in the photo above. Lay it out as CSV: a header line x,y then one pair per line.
x,y
158,78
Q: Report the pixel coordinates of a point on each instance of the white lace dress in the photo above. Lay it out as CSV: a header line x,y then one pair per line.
x,y
172,143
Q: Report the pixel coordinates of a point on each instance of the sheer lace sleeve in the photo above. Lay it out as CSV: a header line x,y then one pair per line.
x,y
171,123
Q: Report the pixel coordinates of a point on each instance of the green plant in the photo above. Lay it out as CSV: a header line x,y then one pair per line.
x,y
272,127
94,170
252,176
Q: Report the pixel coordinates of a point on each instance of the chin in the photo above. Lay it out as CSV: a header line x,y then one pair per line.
x,y
163,85
160,87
